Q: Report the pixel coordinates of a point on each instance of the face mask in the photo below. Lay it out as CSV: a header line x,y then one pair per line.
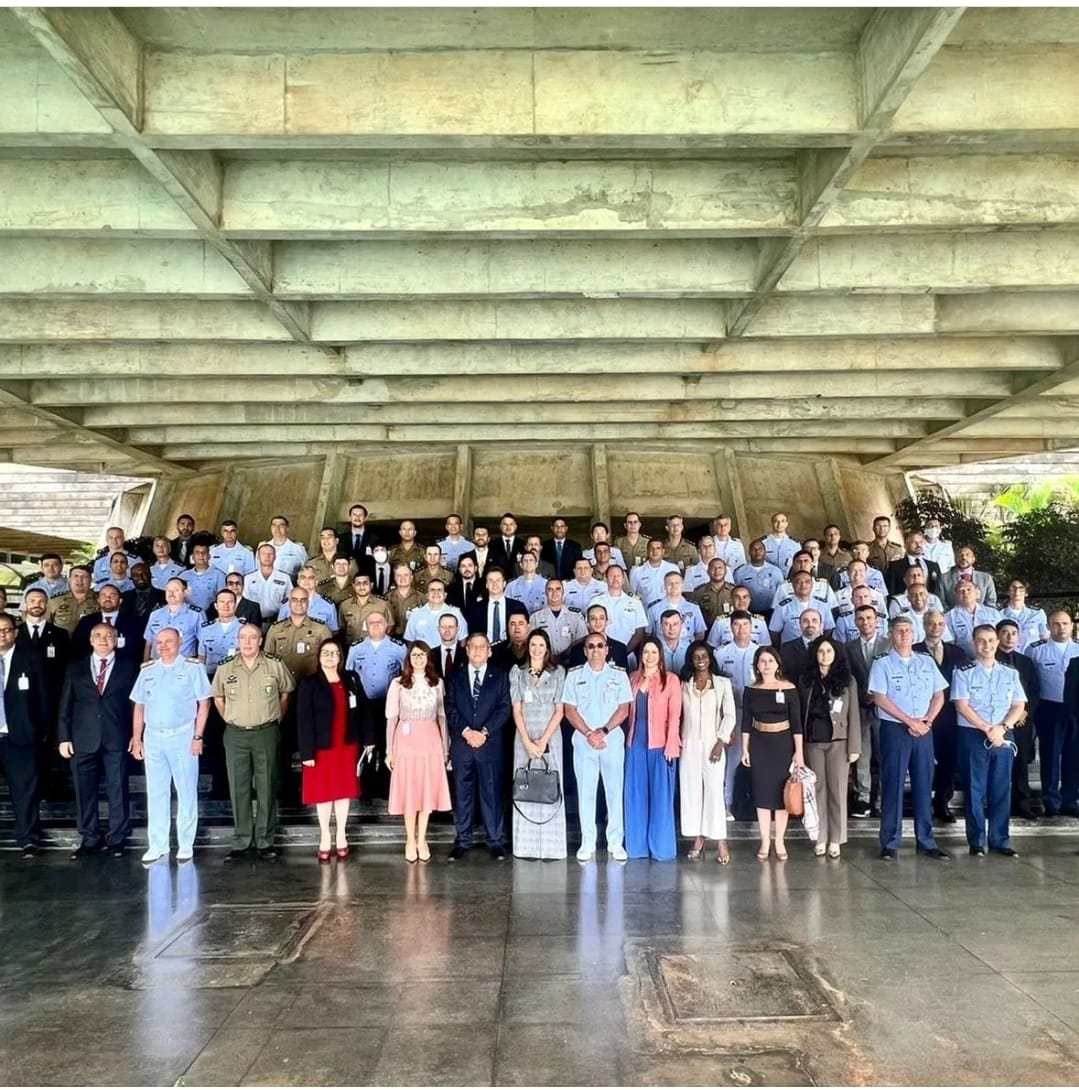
x,y
380,556
932,533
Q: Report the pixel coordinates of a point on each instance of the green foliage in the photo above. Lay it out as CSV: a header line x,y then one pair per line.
x,y
1043,548
1021,499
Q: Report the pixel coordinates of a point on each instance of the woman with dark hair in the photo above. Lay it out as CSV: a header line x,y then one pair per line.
x,y
539,831
771,739
832,731
417,748
707,725
653,742
333,718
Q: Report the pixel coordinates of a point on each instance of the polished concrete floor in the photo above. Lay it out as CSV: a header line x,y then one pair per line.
x,y
476,973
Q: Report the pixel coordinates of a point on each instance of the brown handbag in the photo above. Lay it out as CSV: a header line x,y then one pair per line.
x,y
793,798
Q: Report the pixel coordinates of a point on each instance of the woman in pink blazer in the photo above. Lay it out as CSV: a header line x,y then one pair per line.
x,y
653,743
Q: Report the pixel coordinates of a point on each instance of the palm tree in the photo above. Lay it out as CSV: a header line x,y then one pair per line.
x,y
1021,499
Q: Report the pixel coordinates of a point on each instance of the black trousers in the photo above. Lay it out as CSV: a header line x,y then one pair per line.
x,y
375,782
946,756
1022,799
86,770
470,773
20,766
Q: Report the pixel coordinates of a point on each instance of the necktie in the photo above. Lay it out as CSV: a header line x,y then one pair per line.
x,y
380,587
865,651
448,669
102,666
508,543
475,684
558,555
468,590
108,621
35,634
496,624
357,539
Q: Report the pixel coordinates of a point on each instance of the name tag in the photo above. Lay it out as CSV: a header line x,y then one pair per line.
x,y
406,728
837,705
269,689
231,568
781,696
301,647
529,696
121,642
352,700
24,683
50,652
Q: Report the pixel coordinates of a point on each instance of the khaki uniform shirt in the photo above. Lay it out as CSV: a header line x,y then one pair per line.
x,y
296,644
839,562
252,695
713,603
353,615
412,557
881,558
633,554
323,569
333,593
65,611
400,608
423,577
683,554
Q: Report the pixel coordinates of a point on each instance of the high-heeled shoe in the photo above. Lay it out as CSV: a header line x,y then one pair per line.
x,y
782,856
423,858
412,858
342,853
323,856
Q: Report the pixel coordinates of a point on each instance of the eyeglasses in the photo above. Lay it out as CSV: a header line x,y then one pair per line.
x,y
595,646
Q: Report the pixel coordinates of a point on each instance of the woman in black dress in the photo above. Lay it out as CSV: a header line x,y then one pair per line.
x,y
771,737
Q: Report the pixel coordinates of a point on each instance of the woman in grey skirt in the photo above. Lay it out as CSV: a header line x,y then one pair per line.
x,y
536,692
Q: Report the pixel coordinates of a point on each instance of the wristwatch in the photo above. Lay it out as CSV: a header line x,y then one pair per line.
x,y
605,730
197,738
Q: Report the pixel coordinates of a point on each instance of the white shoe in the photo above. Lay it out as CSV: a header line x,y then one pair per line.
x,y
730,815
618,854
833,851
818,849
150,856
185,857
584,854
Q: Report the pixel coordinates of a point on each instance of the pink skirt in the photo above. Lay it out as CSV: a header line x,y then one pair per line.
x,y
418,781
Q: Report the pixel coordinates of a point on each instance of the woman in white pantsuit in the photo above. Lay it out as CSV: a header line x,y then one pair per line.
x,y
708,721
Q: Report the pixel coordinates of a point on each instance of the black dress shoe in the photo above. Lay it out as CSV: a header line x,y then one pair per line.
x,y
944,816
859,809
874,811
1069,811
1026,813
889,855
1050,812
497,854
30,850
117,851
237,855
268,853
1011,853
976,851
457,853
936,853
84,851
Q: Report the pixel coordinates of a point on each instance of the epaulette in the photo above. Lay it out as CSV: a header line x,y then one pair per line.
x,y
195,609
355,643
615,666
1037,643
272,658
191,658
818,598
883,616
207,623
786,601
148,662
229,658
757,616
967,666
396,639
882,655
845,611
574,609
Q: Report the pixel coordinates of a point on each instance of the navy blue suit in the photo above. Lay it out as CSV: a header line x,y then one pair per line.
x,y
28,707
482,767
128,627
945,729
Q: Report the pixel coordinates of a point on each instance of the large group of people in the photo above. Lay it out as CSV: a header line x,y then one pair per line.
x,y
684,676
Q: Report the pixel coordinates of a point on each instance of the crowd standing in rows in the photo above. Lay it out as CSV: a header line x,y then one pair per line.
x,y
671,672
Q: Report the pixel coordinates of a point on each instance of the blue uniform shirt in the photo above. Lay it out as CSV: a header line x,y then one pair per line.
x,y
102,571
962,624
452,551
908,683
720,633
736,663
377,664
991,692
237,558
785,619
693,626
846,629
170,694
160,574
291,556
202,586
579,596
1051,661
217,643
732,552
761,582
596,693
533,593
1032,623
780,551
53,590
422,624
318,609
187,620
625,614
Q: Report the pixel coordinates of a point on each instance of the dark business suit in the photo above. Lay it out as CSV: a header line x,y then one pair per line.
x,y
98,725
141,603
26,709
458,660
355,546
482,767
945,729
476,616
867,770
457,596
794,657
571,553
52,650
501,556
315,709
180,550
893,577
128,628
1024,736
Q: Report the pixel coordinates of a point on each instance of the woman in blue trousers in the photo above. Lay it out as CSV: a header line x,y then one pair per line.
x,y
653,743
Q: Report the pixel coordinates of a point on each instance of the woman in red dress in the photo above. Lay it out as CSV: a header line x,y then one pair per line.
x,y
333,718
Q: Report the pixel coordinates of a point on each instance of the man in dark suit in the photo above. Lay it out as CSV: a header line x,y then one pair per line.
x,y
1008,653
491,615
506,549
50,644
25,709
947,656
915,557
468,588
861,652
357,542
128,628
180,546
94,729
145,598
477,710
794,654
560,551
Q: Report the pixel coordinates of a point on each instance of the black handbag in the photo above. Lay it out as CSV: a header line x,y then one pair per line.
x,y
540,786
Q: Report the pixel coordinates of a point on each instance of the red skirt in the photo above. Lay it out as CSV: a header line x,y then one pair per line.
x,y
333,775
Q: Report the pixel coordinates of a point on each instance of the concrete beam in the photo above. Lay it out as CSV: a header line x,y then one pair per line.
x,y
462,483
601,484
1022,312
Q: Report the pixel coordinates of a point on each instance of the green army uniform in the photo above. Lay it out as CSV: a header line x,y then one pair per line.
x,y
713,602
423,577
296,645
323,570
252,715
400,608
839,562
683,554
334,593
633,554
413,557
880,558
353,615
65,610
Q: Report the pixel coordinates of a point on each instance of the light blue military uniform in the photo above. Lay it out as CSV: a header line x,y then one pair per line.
x,y
785,619
736,663
102,571
1055,722
170,696
846,628
874,578
761,583
377,664
596,694
1032,624
562,630
673,661
187,620
647,582
910,684
202,586
160,574
963,624
580,596
217,642
422,624
53,590
693,626
122,585
987,772
452,551
720,634
732,552
269,592
291,556
531,592
318,609
780,551
235,558
616,556
625,615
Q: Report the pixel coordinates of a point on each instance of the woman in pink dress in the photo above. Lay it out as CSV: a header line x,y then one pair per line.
x,y
417,748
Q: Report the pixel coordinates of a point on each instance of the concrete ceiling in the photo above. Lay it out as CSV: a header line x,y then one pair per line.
x,y
264,234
